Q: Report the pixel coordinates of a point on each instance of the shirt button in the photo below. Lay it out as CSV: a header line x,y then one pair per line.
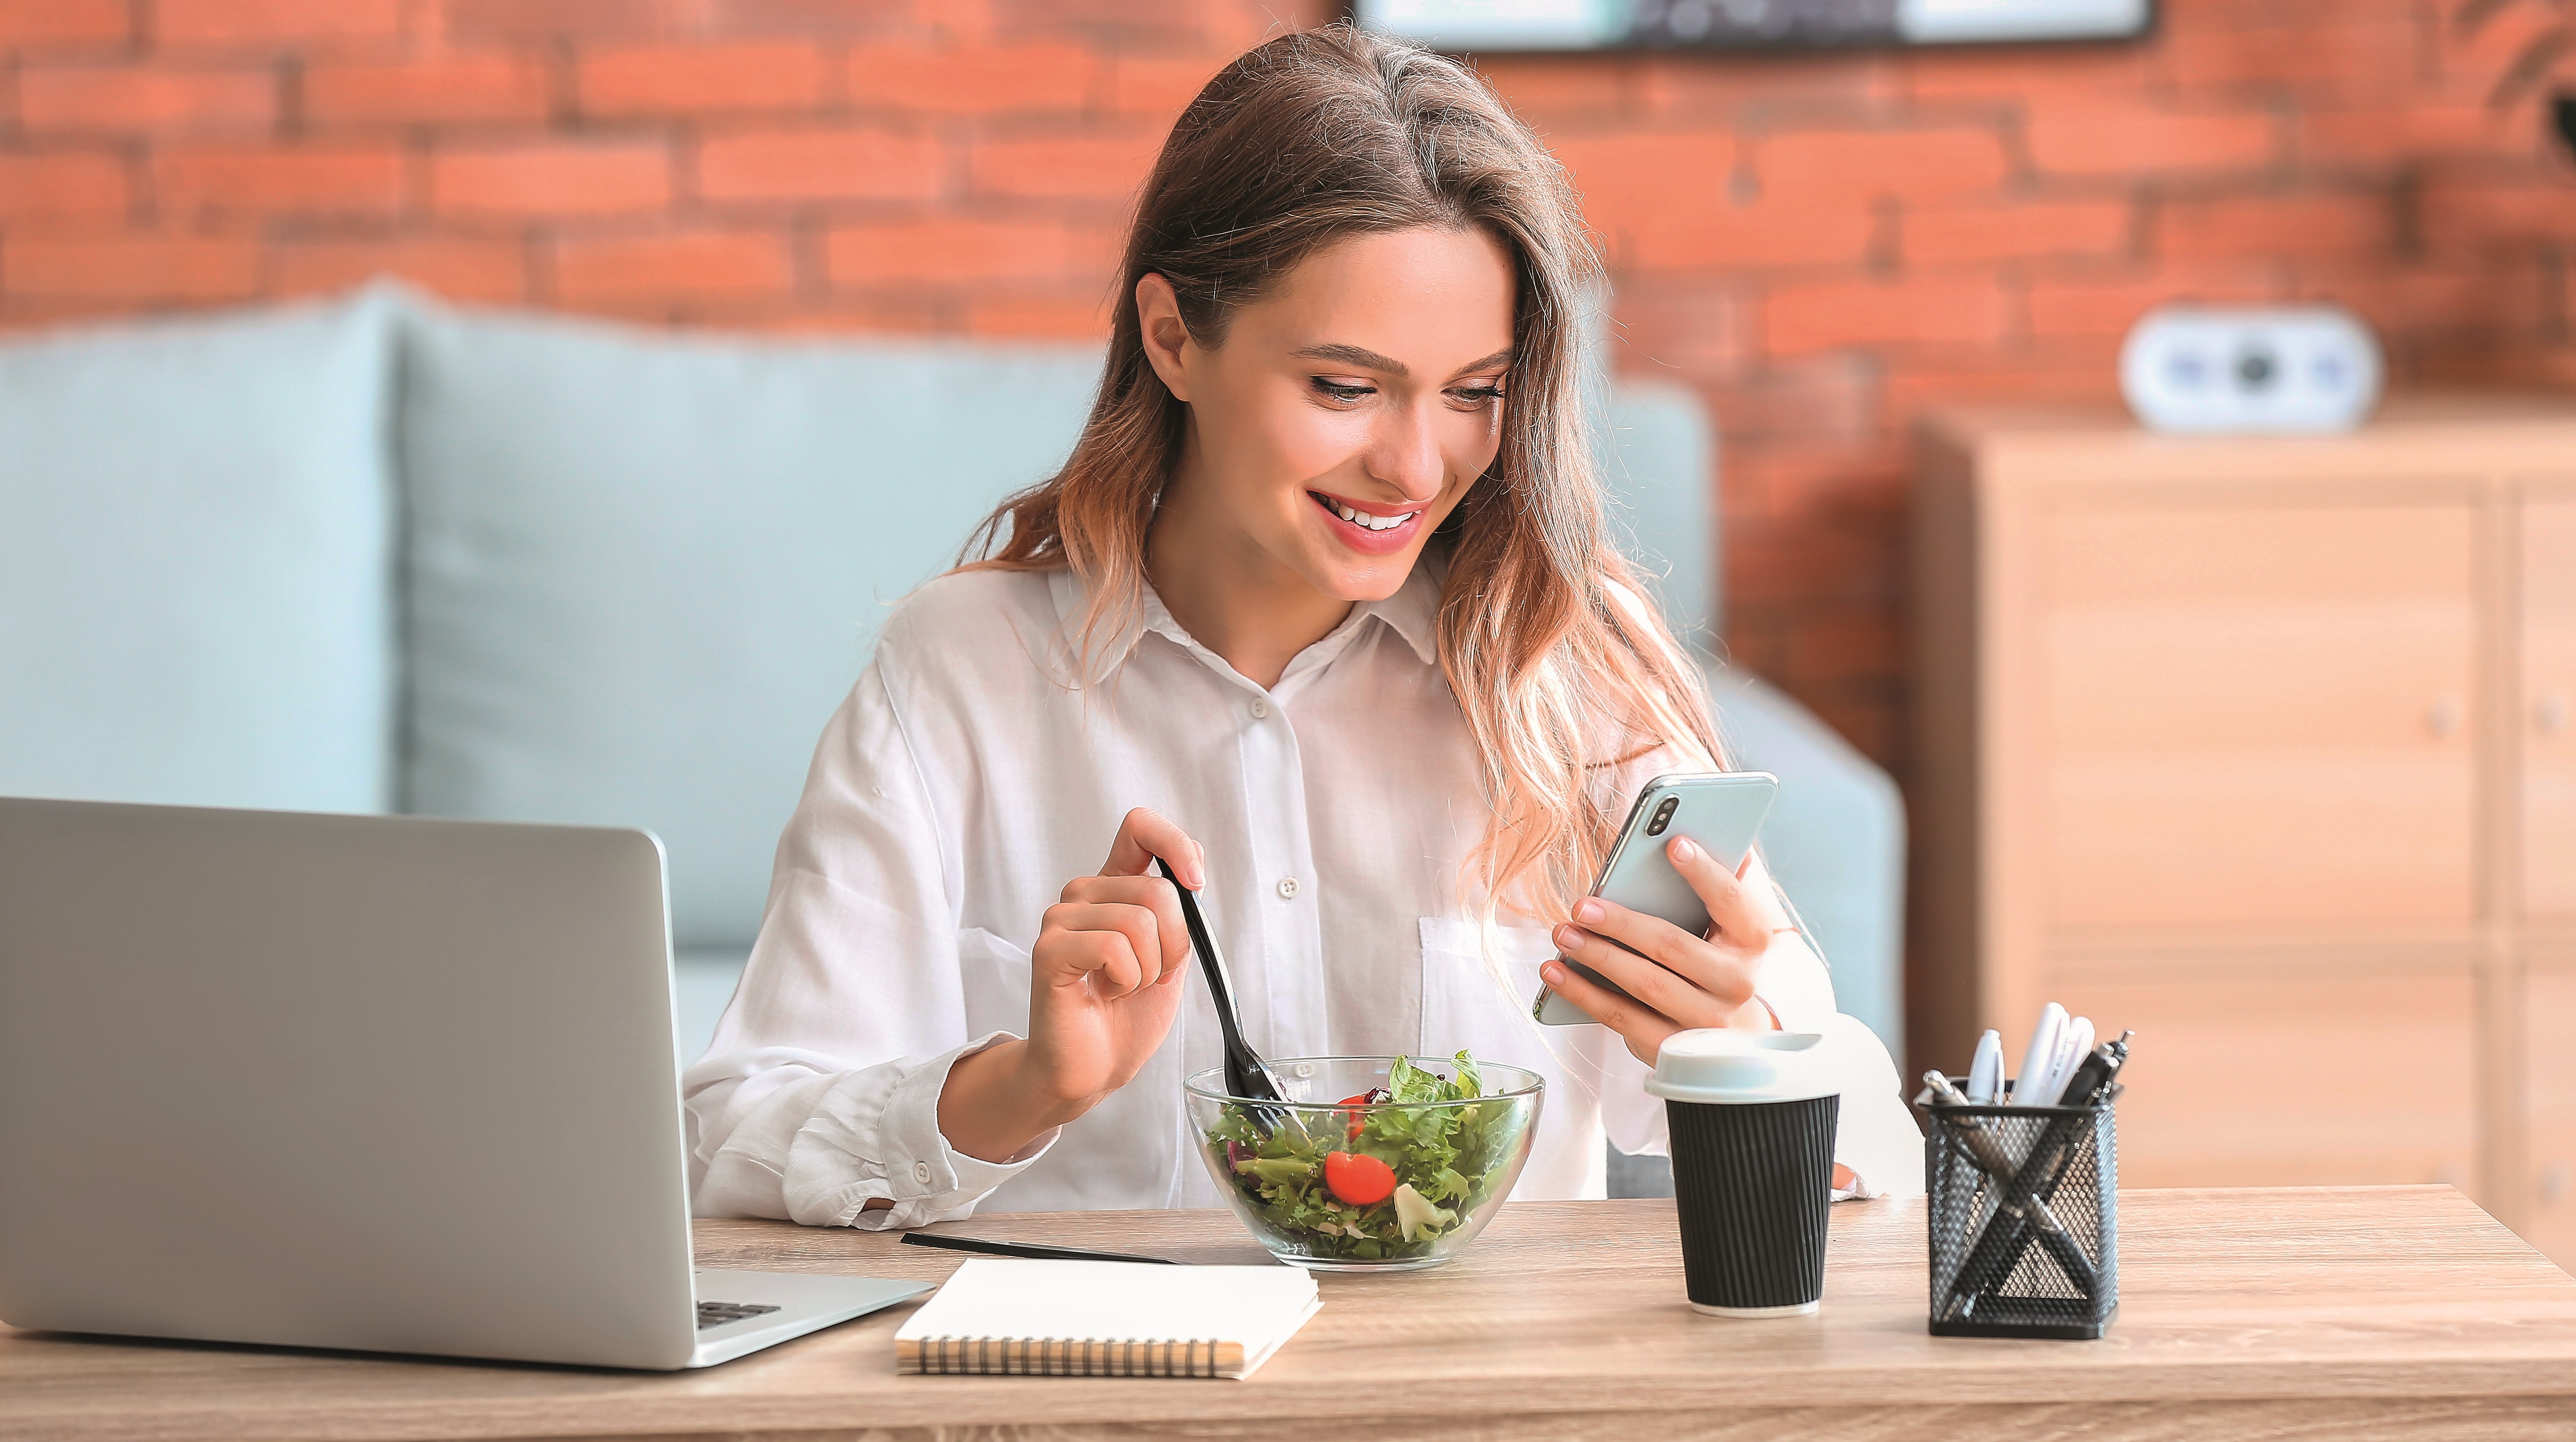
x,y
921,1173
1260,709
1288,888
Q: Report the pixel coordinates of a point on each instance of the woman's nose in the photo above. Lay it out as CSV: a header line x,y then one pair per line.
x,y
1406,455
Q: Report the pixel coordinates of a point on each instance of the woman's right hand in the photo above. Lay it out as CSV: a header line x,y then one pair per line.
x,y
1103,989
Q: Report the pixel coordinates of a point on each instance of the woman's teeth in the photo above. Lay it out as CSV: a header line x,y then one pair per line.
x,y
1374,523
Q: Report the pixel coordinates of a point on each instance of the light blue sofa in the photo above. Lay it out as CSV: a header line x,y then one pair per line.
x,y
382,555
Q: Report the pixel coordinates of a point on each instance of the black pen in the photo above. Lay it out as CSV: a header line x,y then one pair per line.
x,y
1031,1250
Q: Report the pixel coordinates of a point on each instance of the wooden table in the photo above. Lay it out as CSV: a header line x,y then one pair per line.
x,y
2348,1314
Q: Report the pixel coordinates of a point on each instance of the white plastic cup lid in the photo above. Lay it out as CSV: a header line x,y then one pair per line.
x,y
1721,1066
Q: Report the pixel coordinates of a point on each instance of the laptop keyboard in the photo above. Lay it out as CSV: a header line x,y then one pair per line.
x,y
716,1314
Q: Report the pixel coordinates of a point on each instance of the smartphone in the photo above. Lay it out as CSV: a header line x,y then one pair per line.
x,y
1721,810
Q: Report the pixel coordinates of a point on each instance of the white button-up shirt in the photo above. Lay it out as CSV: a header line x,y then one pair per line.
x,y
974,770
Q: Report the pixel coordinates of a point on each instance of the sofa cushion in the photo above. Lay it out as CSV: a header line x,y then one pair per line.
x,y
195,561
644,568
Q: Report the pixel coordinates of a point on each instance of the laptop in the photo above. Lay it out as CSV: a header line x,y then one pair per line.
x,y
381,1083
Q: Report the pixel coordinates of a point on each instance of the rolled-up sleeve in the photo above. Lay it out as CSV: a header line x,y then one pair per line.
x,y
1876,1138
820,1092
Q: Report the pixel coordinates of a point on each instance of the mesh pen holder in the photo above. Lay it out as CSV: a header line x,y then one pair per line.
x,y
2024,1219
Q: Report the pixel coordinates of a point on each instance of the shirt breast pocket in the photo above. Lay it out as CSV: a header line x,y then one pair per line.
x,y
1465,1004
1480,1005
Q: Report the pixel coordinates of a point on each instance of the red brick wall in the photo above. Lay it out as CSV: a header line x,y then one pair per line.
x,y
1822,245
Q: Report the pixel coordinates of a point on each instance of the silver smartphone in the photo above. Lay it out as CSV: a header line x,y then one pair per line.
x,y
1721,810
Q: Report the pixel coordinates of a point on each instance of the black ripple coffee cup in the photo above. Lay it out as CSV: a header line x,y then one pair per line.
x,y
1752,1117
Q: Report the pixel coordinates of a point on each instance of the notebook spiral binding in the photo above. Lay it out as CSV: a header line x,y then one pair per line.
x,y
1064,1357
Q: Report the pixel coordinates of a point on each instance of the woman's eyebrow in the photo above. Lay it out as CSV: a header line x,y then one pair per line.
x,y
1367,359
1360,356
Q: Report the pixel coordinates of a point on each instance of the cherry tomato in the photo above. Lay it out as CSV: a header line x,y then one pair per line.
x,y
1361,1100
1358,1178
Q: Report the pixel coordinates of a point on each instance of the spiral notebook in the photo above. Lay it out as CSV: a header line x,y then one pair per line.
x,y
1001,1316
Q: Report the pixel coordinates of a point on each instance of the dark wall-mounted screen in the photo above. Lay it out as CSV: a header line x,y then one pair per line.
x,y
1504,25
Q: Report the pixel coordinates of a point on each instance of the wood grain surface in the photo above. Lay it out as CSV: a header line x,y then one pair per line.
x,y
2351,1313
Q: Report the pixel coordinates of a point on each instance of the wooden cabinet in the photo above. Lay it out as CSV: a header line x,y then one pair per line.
x,y
2549,1098
2265,748
2549,708
2255,716
2376,1085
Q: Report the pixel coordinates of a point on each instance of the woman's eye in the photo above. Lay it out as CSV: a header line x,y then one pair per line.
x,y
1478,395
1339,390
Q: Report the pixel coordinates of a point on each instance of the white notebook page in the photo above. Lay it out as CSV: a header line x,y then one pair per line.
x,y
1256,1307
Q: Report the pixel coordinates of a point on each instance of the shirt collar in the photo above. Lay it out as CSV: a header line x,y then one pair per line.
x,y
1413,613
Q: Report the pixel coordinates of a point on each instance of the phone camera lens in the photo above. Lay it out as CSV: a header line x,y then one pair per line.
x,y
1663,816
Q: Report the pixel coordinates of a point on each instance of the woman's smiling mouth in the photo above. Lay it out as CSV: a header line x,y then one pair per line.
x,y
1378,533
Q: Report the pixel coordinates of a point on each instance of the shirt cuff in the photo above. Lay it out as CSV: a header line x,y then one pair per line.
x,y
976,1177
949,1180
871,1141
1858,1191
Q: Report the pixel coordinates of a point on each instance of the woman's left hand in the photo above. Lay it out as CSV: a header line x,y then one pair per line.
x,y
1683,981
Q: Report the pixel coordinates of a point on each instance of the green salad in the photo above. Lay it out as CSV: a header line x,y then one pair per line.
x,y
1371,1183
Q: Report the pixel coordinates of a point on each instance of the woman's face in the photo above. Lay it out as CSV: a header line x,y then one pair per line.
x,y
1349,410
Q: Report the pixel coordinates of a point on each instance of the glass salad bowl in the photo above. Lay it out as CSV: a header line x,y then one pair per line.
x,y
1373,1163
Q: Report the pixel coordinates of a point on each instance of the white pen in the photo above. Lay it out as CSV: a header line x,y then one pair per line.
x,y
2071,1049
1986,1073
2041,1054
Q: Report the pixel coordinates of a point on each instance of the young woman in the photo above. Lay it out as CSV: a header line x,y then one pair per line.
x,y
1320,610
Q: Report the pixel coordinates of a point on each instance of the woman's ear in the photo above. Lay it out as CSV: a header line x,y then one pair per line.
x,y
1167,340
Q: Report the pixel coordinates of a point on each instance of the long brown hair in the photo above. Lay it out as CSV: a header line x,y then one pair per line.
x,y
1560,665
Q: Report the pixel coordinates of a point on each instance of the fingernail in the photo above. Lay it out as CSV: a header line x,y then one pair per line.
x,y
1588,911
1568,937
1552,974
1684,849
